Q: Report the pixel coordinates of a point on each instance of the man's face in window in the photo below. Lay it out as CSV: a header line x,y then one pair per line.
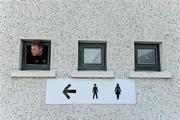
x,y
36,50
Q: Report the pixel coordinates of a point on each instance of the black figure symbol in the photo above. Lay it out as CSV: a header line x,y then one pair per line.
x,y
117,90
95,91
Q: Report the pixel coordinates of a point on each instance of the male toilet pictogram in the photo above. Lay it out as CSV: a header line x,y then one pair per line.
x,y
95,91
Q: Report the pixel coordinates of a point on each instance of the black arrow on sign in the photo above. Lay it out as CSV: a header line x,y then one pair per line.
x,y
65,91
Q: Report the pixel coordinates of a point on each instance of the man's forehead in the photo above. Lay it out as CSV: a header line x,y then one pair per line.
x,y
35,46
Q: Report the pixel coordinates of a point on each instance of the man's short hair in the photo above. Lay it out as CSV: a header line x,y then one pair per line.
x,y
37,43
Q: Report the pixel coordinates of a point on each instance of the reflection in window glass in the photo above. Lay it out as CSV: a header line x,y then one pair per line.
x,y
146,56
92,55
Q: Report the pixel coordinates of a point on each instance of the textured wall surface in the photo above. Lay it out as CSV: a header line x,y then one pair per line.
x,y
120,23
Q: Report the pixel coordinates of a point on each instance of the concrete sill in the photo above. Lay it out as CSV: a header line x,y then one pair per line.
x,y
33,74
143,74
92,74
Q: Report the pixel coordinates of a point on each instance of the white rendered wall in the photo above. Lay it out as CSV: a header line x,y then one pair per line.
x,y
118,22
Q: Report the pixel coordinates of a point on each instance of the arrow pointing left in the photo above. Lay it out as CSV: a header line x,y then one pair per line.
x,y
65,91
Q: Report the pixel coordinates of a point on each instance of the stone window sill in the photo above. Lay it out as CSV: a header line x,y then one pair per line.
x,y
92,74
143,74
33,74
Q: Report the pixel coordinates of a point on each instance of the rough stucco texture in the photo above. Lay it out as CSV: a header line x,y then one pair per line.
x,y
120,23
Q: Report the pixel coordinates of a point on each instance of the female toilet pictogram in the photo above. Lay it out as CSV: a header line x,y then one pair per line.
x,y
117,90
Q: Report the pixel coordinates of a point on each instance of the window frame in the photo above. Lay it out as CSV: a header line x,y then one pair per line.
x,y
147,67
25,66
82,66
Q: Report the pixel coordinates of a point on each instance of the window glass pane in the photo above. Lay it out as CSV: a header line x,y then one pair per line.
x,y
92,55
146,56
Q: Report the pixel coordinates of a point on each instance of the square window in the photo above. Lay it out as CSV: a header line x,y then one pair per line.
x,y
147,57
92,56
36,55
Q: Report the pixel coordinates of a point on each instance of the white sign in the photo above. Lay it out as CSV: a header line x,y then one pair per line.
x,y
90,91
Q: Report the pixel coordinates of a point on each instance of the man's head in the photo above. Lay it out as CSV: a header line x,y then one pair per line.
x,y
36,48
